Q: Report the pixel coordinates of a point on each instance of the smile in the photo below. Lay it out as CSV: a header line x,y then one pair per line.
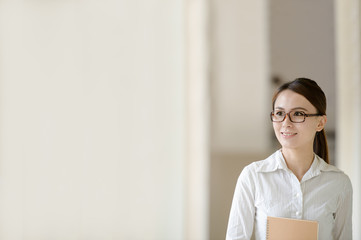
x,y
288,134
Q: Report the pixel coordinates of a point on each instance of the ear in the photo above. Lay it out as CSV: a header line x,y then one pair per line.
x,y
321,123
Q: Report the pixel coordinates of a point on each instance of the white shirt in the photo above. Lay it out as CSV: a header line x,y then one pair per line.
x,y
269,188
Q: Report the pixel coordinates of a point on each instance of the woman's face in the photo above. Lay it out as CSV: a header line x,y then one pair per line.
x,y
296,135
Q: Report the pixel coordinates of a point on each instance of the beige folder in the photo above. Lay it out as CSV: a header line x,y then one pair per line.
x,y
291,229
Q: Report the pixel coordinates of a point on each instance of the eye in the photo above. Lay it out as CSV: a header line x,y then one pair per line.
x,y
279,113
298,114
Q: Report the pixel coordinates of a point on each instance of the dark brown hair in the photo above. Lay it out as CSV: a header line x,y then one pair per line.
x,y
314,94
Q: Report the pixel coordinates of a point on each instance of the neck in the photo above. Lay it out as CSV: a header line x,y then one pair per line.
x,y
298,161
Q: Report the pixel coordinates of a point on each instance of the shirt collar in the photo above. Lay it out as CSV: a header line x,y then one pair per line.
x,y
272,163
318,166
276,161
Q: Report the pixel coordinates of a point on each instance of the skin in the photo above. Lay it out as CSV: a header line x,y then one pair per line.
x,y
297,139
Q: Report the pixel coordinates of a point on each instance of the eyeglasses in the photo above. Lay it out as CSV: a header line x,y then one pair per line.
x,y
294,116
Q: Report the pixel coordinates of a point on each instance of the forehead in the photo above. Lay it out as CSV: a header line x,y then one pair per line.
x,y
289,100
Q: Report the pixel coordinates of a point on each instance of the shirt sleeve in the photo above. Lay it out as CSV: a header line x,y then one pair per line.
x,y
241,218
343,216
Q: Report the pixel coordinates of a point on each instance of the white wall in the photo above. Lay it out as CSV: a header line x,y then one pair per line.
x,y
239,76
197,204
348,19
92,120
240,99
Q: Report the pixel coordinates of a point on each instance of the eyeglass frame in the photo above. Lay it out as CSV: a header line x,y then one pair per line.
x,y
290,118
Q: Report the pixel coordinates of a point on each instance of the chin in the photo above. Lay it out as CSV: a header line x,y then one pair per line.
x,y
289,145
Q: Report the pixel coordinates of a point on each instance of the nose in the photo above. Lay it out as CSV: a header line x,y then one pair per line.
x,y
287,120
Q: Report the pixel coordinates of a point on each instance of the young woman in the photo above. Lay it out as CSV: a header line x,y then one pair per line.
x,y
296,181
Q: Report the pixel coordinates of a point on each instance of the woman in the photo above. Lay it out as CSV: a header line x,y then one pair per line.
x,y
296,181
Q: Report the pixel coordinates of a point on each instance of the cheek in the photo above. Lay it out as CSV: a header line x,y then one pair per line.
x,y
276,127
311,127
309,131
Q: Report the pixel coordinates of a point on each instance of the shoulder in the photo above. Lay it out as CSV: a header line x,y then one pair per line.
x,y
339,183
265,165
270,164
334,174
343,179
248,178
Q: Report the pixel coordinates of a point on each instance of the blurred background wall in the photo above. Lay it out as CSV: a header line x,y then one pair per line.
x,y
133,119
93,120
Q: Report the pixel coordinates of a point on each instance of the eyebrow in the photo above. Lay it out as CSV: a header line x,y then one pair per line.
x,y
296,108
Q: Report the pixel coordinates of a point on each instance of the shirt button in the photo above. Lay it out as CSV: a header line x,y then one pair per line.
x,y
298,213
298,195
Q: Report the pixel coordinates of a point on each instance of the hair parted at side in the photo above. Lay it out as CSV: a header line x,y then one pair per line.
x,y
314,94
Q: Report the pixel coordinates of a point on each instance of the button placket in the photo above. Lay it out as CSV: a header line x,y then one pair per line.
x,y
298,200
